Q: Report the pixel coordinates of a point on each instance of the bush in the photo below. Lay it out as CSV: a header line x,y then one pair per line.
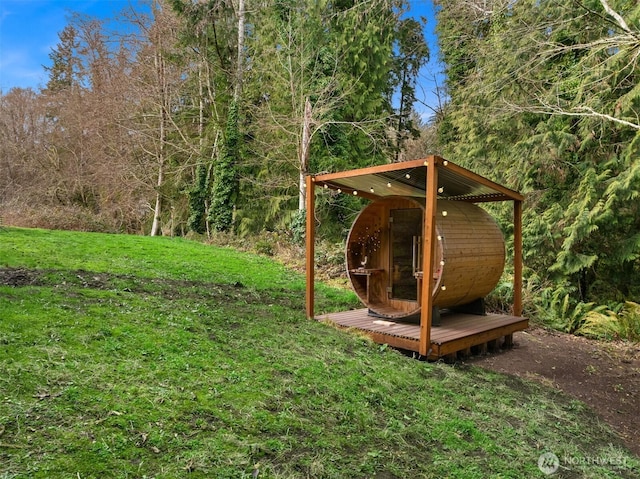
x,y
557,309
500,300
298,226
69,218
612,324
265,246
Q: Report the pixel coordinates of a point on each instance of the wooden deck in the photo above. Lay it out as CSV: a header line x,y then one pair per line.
x,y
457,332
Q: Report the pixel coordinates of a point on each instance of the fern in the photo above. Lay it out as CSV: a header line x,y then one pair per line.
x,y
610,324
557,309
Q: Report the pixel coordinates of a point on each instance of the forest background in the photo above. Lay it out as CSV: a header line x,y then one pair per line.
x,y
204,117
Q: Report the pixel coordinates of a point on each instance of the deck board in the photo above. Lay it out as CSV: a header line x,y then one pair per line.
x,y
457,332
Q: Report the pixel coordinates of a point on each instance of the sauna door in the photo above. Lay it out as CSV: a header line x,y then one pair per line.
x,y
406,232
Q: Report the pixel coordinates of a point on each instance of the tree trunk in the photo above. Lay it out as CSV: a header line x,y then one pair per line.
x,y
304,154
157,210
240,61
162,83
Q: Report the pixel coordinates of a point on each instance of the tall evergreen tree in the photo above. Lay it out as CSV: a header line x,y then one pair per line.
x,y
544,97
64,73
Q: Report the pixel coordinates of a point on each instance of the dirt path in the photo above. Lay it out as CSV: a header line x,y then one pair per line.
x,y
606,376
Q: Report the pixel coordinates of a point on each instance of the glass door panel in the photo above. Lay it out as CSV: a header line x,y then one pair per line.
x,y
406,241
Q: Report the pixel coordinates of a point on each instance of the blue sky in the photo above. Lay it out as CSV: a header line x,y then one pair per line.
x,y
29,30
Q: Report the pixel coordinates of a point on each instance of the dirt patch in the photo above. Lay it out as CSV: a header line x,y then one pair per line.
x,y
18,277
605,376
170,289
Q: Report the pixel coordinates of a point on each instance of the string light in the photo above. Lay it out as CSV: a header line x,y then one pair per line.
x,y
444,213
441,190
339,190
443,288
407,176
371,189
389,184
355,193
445,162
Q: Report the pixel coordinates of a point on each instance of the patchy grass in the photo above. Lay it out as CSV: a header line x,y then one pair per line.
x,y
128,356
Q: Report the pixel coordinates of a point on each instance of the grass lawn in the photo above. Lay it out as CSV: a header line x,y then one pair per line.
x,y
125,356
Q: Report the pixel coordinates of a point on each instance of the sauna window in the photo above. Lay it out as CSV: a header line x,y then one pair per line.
x,y
406,232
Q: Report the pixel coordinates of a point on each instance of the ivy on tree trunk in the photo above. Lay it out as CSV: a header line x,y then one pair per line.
x,y
225,183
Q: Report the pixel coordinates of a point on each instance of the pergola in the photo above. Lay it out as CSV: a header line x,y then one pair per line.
x,y
428,179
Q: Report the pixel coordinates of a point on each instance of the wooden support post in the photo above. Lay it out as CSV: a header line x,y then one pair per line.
x,y
508,341
310,235
517,258
428,248
451,358
479,350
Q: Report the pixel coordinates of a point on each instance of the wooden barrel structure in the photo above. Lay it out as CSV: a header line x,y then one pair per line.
x,y
384,255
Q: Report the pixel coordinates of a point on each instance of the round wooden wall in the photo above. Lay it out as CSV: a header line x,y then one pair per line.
x,y
469,260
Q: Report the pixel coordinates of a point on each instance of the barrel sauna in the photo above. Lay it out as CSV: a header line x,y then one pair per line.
x,y
384,255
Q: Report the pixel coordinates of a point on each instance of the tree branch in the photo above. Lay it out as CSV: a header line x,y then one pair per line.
x,y
581,111
616,16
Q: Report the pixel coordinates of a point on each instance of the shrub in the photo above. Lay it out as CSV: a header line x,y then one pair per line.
x,y
298,226
558,310
500,300
612,324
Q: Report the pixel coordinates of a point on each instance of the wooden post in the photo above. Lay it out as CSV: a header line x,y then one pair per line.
x,y
517,258
310,235
428,248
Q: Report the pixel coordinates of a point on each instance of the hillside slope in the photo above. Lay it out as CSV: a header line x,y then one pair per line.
x,y
126,356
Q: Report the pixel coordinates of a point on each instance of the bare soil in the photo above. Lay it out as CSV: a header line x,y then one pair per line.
x,y
604,375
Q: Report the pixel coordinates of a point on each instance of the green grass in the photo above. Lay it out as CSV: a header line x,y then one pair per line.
x,y
127,356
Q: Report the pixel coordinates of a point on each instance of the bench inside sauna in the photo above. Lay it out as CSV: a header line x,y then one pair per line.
x,y
424,212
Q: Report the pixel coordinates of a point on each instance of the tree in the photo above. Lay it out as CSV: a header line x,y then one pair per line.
x,y
544,97
159,76
321,82
65,71
214,33
412,54
22,147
